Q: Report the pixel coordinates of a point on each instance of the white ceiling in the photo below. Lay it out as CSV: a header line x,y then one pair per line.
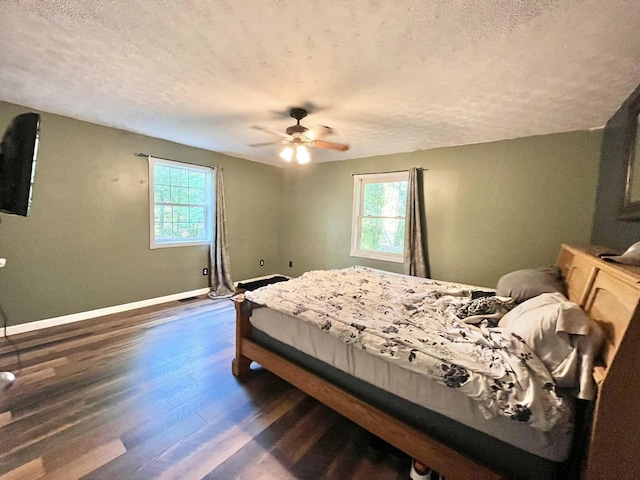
x,y
389,76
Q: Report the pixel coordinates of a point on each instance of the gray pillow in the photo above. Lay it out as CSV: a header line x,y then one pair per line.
x,y
524,284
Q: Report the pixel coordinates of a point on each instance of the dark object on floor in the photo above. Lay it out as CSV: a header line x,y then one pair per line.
x,y
261,283
419,471
378,450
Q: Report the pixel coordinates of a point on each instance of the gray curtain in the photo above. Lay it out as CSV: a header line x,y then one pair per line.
x,y
415,258
220,265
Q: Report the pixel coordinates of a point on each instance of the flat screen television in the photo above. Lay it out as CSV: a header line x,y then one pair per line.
x,y
18,152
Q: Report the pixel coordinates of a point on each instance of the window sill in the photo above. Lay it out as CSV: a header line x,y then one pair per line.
x,y
154,246
385,257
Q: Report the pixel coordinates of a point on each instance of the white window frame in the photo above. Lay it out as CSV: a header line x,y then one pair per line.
x,y
209,206
358,207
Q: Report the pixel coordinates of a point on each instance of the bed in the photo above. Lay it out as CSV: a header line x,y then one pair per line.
x,y
463,445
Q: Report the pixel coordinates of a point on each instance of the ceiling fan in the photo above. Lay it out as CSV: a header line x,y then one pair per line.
x,y
297,138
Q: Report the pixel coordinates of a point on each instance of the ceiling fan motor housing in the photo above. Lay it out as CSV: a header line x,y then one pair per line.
x,y
296,129
298,114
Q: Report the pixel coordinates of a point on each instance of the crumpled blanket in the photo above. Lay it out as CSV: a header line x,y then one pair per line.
x,y
415,323
490,308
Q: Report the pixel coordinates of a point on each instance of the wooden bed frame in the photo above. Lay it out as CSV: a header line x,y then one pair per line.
x,y
608,293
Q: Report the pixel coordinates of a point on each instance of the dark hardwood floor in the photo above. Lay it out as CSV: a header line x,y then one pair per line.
x,y
150,394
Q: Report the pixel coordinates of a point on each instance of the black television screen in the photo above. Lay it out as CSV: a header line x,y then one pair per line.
x,y
19,149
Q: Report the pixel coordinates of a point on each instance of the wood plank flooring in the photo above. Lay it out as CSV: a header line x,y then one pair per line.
x,y
149,394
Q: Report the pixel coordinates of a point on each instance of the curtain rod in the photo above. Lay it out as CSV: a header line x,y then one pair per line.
x,y
381,173
146,155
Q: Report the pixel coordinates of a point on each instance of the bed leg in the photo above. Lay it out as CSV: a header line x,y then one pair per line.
x,y
241,364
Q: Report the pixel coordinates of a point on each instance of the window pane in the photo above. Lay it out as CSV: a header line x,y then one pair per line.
x,y
373,199
179,177
197,195
197,180
181,231
179,195
196,214
182,197
164,231
180,214
162,193
162,175
382,235
387,199
157,214
162,214
197,231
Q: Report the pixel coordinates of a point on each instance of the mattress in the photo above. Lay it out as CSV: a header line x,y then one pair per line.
x,y
553,445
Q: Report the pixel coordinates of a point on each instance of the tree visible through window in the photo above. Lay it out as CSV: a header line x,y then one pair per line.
x,y
181,203
380,203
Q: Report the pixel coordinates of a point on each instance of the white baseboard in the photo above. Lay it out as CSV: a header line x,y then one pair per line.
x,y
100,312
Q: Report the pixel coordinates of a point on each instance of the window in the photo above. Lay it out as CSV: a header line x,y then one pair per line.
x,y
379,206
181,204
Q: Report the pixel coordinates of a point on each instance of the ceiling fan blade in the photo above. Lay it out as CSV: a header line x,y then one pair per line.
x,y
266,143
343,147
271,131
317,131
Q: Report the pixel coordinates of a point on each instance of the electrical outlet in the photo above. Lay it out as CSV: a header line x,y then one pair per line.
x,y
290,263
205,271
262,263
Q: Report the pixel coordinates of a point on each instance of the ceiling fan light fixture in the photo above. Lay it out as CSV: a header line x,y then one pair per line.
x,y
296,154
298,137
287,154
302,155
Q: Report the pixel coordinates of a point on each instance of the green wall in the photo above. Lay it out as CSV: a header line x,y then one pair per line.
x,y
85,243
491,208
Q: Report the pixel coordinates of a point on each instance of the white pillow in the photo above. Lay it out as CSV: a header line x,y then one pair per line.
x,y
561,335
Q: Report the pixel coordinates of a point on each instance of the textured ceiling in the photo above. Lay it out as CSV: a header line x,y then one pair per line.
x,y
388,76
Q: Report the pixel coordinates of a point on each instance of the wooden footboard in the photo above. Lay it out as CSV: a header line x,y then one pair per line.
x,y
415,443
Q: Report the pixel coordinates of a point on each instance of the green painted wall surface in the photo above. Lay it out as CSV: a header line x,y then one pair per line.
x,y
491,208
85,243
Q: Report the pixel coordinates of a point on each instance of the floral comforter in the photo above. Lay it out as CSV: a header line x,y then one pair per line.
x,y
418,324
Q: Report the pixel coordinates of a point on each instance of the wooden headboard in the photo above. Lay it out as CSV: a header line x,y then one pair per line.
x,y
610,293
